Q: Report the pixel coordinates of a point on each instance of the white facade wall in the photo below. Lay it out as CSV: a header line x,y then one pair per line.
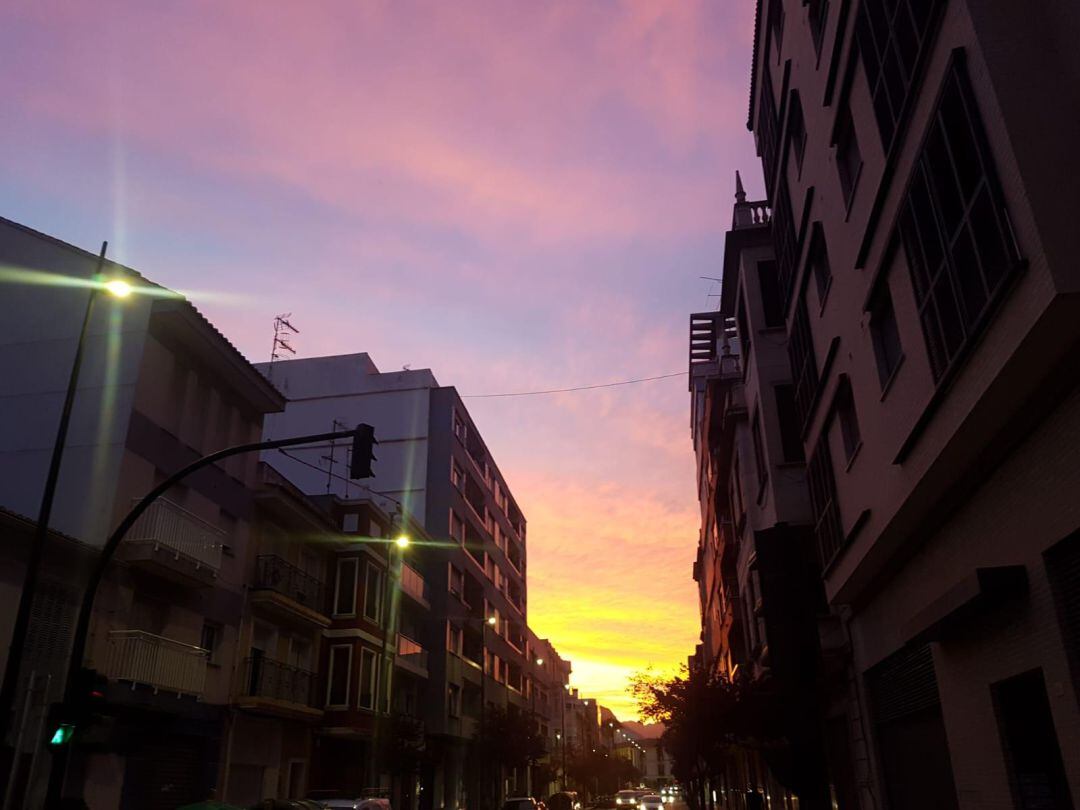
x,y
351,390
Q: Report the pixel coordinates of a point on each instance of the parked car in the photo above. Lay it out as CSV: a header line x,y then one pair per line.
x,y
604,803
355,804
566,800
520,803
651,801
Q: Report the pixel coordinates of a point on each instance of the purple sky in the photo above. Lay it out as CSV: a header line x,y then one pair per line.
x,y
518,195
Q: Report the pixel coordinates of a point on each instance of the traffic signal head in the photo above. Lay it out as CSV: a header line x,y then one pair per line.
x,y
363,452
62,735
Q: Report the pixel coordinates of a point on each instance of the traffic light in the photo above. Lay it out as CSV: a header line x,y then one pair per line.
x,y
363,452
84,709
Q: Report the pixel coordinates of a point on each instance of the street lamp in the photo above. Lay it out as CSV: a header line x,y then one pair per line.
x,y
118,288
394,575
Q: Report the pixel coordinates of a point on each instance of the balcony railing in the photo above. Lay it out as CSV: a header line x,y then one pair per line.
x,y
170,526
266,678
275,574
411,652
414,584
143,658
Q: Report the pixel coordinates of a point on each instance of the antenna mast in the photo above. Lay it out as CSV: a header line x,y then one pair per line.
x,y
283,332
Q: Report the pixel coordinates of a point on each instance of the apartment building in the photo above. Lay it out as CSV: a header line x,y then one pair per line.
x,y
913,154
547,683
160,387
433,461
276,690
757,579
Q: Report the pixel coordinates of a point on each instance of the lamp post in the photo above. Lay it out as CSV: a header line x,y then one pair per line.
x,y
489,621
82,618
117,288
394,576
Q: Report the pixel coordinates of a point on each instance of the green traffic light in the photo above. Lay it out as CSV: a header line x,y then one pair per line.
x,y
62,734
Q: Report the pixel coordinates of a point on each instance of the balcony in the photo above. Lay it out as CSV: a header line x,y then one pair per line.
x,y
411,656
176,544
163,664
414,585
291,595
273,688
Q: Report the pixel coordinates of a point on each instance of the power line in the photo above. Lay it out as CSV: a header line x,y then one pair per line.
x,y
575,388
335,475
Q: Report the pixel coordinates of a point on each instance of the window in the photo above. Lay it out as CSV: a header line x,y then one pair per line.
x,y
796,133
345,587
828,533
892,35
368,679
457,528
954,229
1032,753
457,475
885,335
338,676
453,700
373,580
848,156
457,581
818,260
819,14
785,240
453,638
776,24
744,330
766,129
770,294
738,506
211,641
459,427
761,463
790,428
804,372
845,415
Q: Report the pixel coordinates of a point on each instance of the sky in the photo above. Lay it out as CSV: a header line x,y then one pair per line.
x,y
517,195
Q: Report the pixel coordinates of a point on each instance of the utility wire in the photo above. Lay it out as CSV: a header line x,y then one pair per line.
x,y
339,477
575,388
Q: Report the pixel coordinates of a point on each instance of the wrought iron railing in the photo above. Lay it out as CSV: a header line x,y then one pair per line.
x,y
163,663
264,677
171,526
275,574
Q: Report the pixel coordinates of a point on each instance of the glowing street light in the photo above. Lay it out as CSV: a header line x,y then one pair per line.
x,y
539,662
402,542
117,287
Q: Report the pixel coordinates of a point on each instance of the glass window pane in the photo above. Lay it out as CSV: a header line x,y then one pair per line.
x,y
965,155
952,327
985,225
923,208
968,277
940,169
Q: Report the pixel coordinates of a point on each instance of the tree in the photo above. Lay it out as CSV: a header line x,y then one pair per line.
x,y
507,739
707,720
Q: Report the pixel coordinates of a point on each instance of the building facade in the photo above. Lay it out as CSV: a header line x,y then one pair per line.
x,y
159,388
433,461
912,155
758,586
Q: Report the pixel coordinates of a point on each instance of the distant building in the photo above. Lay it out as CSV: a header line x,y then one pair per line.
x,y
434,467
